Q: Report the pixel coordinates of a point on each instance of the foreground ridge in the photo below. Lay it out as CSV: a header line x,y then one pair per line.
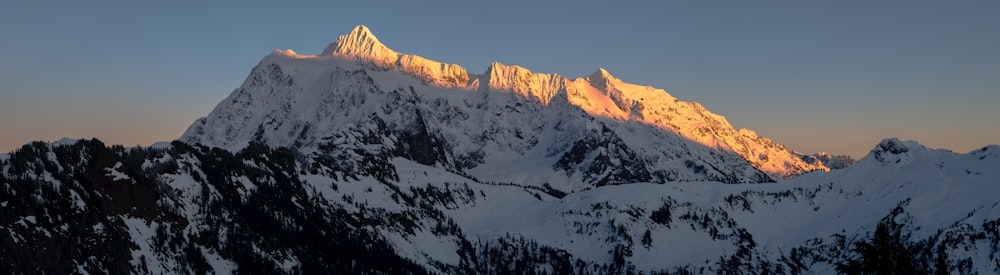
x,y
182,208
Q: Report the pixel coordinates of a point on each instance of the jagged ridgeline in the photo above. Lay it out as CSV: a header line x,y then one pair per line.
x,y
365,160
506,124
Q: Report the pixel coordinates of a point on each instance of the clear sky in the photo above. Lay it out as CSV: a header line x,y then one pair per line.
x,y
834,76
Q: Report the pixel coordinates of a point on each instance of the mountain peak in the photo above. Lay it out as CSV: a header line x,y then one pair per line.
x,y
360,38
361,30
893,146
599,95
498,69
602,74
601,79
360,43
893,150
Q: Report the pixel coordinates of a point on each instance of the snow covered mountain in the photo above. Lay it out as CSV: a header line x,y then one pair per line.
x,y
365,160
507,124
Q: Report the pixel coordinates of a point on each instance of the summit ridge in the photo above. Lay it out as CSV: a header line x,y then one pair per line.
x,y
508,113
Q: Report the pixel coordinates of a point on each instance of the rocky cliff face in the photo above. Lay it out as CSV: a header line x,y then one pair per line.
x,y
828,160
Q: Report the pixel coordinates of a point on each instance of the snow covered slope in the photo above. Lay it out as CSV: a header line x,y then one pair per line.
x,y
193,209
507,124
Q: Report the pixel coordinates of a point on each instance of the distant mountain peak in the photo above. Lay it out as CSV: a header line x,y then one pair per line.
x,y
361,30
360,43
601,79
601,74
893,150
363,47
497,68
501,76
894,146
300,100
359,39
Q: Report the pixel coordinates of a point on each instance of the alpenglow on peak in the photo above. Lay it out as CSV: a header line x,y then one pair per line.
x,y
602,74
506,113
360,43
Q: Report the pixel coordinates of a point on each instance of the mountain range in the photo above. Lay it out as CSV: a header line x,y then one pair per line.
x,y
366,160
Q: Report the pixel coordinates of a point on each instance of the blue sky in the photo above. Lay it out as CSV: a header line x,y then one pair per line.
x,y
831,76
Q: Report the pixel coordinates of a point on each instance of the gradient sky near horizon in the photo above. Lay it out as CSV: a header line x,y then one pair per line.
x,y
835,76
